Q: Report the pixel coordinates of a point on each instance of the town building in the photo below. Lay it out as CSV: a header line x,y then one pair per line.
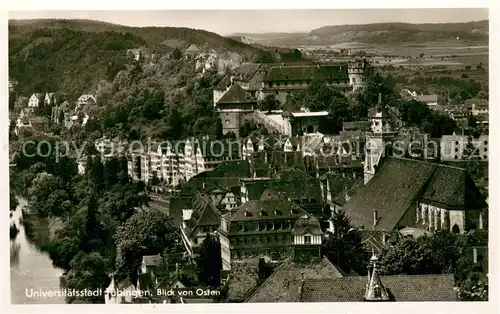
x,y
376,288
381,133
413,193
259,228
463,147
35,100
235,107
282,81
200,220
85,99
285,283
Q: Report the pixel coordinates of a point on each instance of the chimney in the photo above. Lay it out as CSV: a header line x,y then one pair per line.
x,y
375,218
302,275
379,98
474,252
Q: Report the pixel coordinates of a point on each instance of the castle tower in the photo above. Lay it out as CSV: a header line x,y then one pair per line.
x,y
359,70
375,290
378,140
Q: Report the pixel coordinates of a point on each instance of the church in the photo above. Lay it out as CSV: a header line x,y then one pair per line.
x,y
401,192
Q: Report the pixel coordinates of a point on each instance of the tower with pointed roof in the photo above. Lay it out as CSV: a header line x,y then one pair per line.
x,y
375,290
110,295
378,139
235,106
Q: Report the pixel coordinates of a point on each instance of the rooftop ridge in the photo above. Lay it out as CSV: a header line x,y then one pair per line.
x,y
285,262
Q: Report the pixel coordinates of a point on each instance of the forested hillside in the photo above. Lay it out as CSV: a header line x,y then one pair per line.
x,y
72,56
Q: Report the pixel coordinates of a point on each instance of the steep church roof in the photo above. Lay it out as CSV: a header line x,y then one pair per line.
x,y
400,181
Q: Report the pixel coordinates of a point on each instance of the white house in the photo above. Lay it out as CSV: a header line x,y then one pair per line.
x,y
85,99
34,100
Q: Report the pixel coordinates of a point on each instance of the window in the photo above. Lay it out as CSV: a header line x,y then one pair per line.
x,y
376,123
242,227
307,239
195,240
227,121
377,291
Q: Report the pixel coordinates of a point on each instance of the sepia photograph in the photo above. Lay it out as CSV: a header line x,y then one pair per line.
x,y
248,156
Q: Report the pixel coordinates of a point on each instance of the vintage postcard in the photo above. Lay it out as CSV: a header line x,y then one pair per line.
x,y
248,156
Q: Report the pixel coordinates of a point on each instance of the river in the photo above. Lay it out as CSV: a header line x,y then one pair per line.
x,y
30,268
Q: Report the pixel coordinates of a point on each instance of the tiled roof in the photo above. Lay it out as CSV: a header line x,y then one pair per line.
x,y
289,182
246,71
453,188
242,280
357,125
427,98
267,209
224,83
204,213
193,49
285,283
341,186
151,260
401,288
307,72
307,224
236,94
394,187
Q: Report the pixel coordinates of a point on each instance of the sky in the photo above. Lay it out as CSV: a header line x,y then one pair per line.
x,y
227,22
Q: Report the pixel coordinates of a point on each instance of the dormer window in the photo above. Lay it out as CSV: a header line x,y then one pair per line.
x,y
377,291
248,214
277,213
263,213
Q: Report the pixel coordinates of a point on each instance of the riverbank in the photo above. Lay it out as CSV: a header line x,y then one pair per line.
x,y
30,267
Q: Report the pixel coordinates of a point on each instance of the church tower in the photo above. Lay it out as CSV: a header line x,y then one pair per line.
x,y
375,290
378,139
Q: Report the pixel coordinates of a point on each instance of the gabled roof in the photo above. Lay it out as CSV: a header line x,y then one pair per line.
x,y
307,224
267,209
246,71
307,72
394,187
204,213
427,98
357,125
193,49
401,288
235,95
285,283
453,188
224,83
151,260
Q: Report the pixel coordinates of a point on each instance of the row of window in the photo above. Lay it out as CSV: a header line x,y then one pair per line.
x,y
282,238
275,253
265,225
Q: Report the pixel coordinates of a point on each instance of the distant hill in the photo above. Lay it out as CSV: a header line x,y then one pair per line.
x,y
75,55
374,33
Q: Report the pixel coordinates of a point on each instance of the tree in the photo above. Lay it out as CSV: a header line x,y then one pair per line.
x,y
41,189
176,53
472,121
209,262
13,202
147,232
269,103
88,271
344,247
